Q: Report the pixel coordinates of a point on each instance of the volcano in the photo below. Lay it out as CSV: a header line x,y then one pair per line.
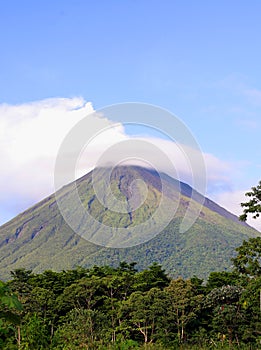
x,y
132,214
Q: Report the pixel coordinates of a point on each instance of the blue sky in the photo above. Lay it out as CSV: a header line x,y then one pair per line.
x,y
198,59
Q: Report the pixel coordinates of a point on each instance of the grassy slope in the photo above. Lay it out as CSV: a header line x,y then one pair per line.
x,y
39,238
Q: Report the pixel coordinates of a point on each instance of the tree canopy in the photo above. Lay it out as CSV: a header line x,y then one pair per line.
x,y
123,308
253,206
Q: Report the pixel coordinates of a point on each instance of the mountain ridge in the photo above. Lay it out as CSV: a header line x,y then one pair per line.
x,y
39,238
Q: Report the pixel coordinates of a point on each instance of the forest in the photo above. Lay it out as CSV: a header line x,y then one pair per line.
x,y
121,308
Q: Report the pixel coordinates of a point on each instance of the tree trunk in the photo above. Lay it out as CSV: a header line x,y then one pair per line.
x,y
143,332
230,336
182,327
19,336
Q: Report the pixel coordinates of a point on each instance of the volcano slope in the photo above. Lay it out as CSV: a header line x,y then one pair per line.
x,y
40,239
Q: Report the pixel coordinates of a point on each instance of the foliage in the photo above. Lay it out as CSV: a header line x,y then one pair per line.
x,y
225,304
183,305
248,259
120,308
79,328
8,299
9,308
253,206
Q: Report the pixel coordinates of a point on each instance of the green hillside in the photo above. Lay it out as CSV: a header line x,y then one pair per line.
x,y
40,239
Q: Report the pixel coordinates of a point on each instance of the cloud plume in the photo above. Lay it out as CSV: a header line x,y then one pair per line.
x,y
30,137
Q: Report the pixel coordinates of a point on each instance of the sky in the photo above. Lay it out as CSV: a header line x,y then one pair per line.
x,y
61,60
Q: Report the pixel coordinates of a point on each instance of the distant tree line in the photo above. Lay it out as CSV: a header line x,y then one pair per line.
x,y
122,308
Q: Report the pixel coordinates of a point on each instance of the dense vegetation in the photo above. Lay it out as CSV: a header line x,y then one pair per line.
x,y
122,308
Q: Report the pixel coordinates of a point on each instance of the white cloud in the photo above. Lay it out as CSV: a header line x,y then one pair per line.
x,y
37,129
31,134
183,162
231,201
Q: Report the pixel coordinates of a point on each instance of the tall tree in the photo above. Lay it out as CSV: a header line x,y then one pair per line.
x,y
153,277
251,304
253,206
145,313
248,259
227,312
222,278
10,308
184,303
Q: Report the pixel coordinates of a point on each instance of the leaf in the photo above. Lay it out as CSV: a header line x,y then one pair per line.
x,y
12,302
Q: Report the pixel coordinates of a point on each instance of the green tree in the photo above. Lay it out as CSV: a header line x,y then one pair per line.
x,y
80,328
227,312
10,308
20,283
253,206
145,313
153,277
43,304
87,294
8,299
184,304
34,333
251,304
248,259
222,278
